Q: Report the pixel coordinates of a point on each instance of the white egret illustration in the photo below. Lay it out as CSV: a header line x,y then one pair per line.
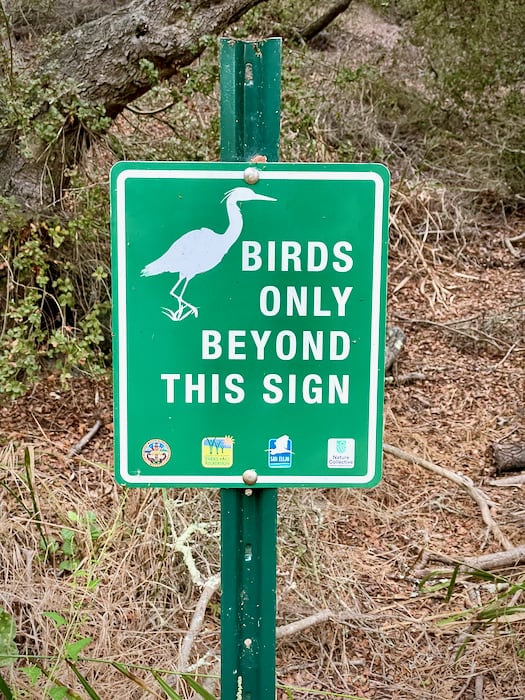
x,y
199,251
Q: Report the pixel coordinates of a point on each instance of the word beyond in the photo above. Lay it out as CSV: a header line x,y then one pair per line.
x,y
214,388
285,345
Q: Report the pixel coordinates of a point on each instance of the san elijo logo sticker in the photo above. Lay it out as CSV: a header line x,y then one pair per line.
x,y
156,453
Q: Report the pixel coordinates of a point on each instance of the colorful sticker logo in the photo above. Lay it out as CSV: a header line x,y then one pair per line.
x,y
341,453
156,453
280,452
217,452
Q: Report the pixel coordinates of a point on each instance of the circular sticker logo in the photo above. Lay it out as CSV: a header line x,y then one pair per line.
x,y
156,453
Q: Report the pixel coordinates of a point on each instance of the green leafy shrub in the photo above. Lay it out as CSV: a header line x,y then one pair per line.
x,y
475,71
54,299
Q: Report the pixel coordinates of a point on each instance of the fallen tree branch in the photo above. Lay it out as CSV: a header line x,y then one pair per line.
x,y
211,586
515,239
512,250
496,560
304,623
460,328
79,446
405,378
323,21
211,681
475,493
466,685
517,480
484,562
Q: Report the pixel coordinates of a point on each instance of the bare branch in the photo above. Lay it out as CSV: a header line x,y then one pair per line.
x,y
323,21
517,480
79,446
211,586
463,481
485,562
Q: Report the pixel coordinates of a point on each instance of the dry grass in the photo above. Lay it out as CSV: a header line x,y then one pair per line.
x,y
351,553
130,591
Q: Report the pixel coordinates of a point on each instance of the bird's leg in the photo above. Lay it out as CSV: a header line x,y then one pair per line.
x,y
185,308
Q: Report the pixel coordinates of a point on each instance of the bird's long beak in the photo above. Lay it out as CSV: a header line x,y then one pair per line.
x,y
267,199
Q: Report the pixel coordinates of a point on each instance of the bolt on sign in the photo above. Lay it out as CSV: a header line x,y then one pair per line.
x,y
249,315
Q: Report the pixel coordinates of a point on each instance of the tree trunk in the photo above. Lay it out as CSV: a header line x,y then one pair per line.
x,y
509,457
107,63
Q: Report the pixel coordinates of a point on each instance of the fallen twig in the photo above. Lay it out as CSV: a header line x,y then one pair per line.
x,y
476,335
79,446
512,250
405,378
478,687
484,562
210,682
463,481
211,586
517,480
304,623
466,685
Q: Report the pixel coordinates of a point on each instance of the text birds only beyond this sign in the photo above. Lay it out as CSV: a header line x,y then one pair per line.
x,y
249,314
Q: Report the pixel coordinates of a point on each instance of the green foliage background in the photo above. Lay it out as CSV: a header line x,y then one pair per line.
x,y
457,118
476,69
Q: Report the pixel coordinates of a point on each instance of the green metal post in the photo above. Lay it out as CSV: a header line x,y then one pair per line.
x,y
248,554
250,99
250,123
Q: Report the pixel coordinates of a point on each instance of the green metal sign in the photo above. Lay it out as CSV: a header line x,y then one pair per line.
x,y
249,314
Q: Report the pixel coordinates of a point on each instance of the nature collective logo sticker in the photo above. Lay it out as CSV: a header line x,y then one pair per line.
x,y
341,453
156,453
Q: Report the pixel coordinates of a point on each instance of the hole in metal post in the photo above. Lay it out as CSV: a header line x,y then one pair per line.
x,y
248,74
248,552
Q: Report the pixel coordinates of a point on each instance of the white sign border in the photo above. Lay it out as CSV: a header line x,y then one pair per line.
x,y
236,480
